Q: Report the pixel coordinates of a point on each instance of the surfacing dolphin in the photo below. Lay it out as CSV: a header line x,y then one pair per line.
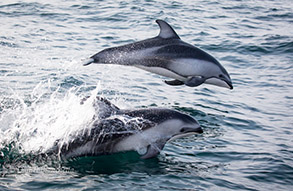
x,y
169,56
115,130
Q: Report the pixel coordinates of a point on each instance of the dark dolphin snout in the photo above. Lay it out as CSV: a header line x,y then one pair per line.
x,y
229,84
192,130
228,81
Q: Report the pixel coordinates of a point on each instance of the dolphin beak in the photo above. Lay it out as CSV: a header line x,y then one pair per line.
x,y
220,81
185,131
229,83
198,130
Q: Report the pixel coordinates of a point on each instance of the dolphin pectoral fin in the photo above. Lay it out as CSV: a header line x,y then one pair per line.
x,y
174,82
153,150
195,81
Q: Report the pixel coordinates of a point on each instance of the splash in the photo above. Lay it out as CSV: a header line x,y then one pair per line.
x,y
35,125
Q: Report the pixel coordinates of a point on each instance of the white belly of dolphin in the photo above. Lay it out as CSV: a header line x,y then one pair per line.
x,y
139,140
162,71
193,67
148,137
184,68
134,142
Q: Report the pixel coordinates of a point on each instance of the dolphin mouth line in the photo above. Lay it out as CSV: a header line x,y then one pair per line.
x,y
192,130
187,133
229,84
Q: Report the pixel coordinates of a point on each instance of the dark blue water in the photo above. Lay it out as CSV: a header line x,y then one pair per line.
x,y
247,141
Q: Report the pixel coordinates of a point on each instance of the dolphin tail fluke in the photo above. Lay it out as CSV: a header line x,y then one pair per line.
x,y
174,82
88,61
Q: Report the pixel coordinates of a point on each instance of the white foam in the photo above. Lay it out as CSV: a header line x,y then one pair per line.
x,y
38,126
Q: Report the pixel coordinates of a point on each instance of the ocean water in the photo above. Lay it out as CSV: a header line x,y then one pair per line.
x,y
247,142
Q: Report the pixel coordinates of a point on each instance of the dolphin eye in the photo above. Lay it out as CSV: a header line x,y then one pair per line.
x,y
182,130
221,76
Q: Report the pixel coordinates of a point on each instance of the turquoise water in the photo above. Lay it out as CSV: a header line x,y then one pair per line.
x,y
247,141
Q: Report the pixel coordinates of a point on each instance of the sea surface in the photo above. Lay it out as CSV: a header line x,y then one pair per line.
x,y
247,142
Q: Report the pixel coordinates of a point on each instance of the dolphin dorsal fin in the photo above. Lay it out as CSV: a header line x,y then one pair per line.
x,y
166,30
104,108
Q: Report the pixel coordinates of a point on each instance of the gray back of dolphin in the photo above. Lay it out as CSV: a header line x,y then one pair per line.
x,y
111,130
168,56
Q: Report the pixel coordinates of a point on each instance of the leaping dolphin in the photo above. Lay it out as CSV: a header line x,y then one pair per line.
x,y
169,56
115,130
